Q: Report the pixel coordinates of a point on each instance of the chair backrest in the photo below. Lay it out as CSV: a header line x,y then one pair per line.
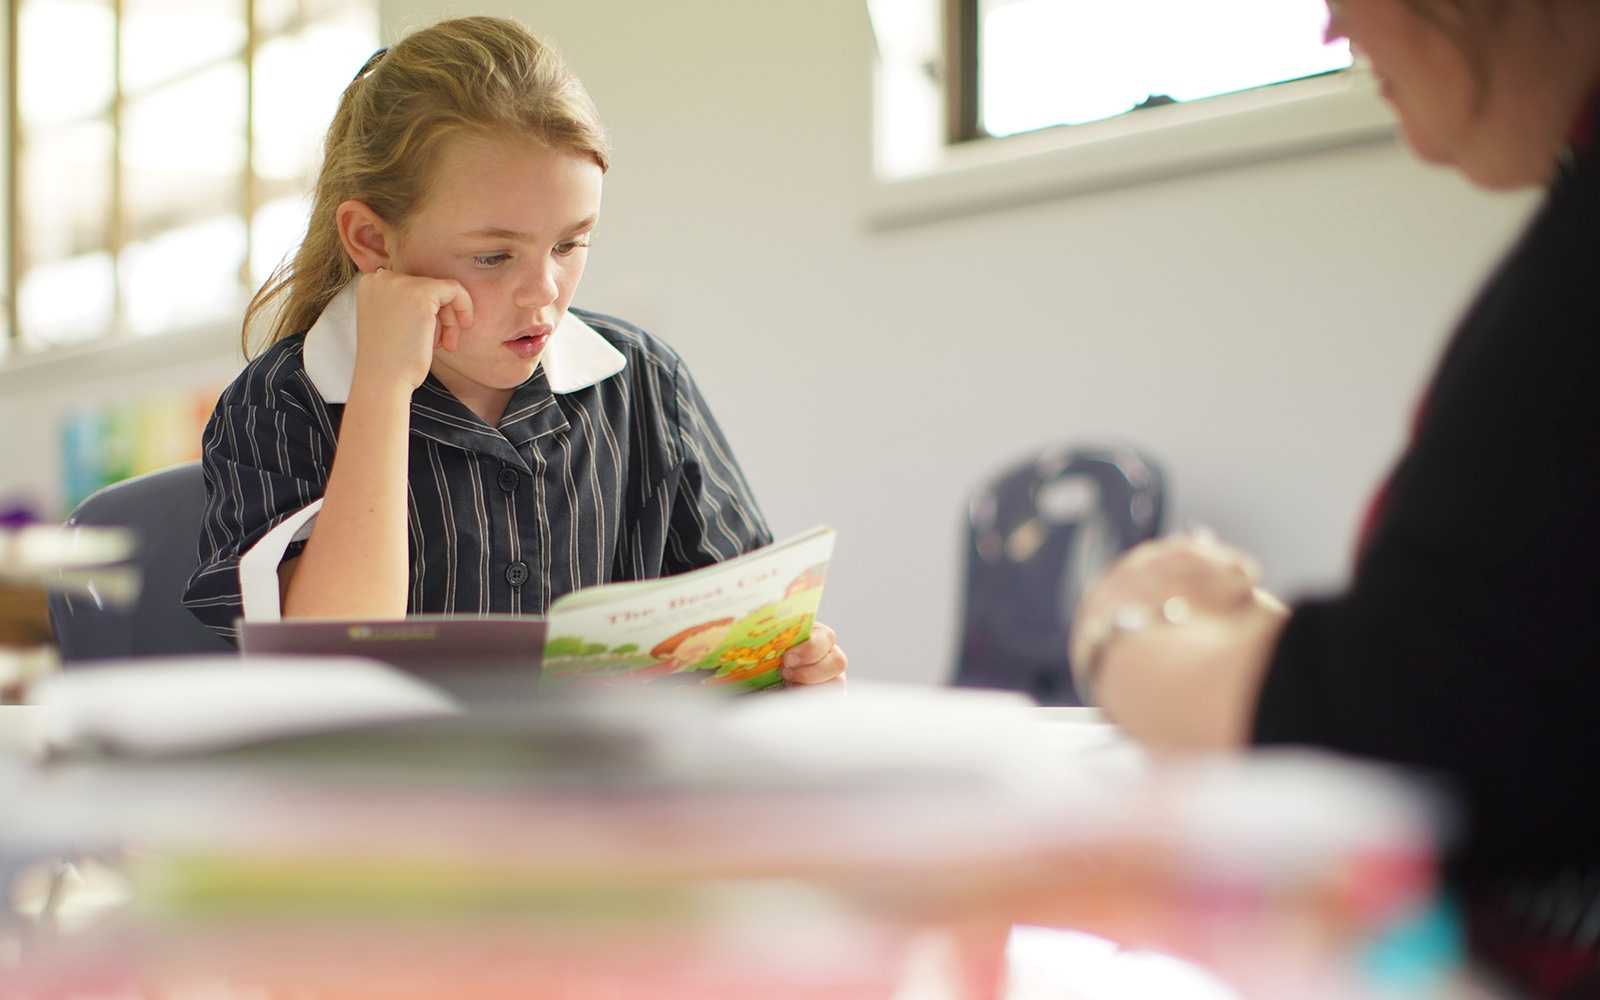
x,y
163,509
1037,534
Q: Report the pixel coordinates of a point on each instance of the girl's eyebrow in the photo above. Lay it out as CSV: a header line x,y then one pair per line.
x,y
517,236
496,233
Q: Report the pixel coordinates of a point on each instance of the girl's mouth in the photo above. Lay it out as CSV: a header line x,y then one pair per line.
x,y
528,346
531,342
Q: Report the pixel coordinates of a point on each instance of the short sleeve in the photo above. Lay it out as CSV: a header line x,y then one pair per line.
x,y
714,514
263,464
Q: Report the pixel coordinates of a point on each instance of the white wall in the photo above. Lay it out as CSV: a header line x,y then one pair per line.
x,y
1263,329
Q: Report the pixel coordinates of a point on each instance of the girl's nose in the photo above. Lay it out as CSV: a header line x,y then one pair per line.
x,y
538,290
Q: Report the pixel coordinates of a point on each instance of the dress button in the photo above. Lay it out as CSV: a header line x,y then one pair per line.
x,y
517,574
508,479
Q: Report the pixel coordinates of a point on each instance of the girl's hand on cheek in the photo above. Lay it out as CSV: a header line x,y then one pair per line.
x,y
401,320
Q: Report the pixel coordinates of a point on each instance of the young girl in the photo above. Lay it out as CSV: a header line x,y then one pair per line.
x,y
431,428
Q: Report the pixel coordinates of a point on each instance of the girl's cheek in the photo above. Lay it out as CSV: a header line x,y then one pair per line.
x,y
569,283
477,286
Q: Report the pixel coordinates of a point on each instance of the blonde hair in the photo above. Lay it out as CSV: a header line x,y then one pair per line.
x,y
475,76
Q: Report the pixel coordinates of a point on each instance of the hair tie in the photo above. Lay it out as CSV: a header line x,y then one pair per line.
x,y
372,61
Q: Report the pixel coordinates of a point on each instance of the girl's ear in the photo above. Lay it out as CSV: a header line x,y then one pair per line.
x,y
366,237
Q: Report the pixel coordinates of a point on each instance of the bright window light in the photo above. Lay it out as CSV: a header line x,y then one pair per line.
x,y
67,301
66,173
210,31
136,193
172,171
276,232
64,60
299,80
184,277
1069,62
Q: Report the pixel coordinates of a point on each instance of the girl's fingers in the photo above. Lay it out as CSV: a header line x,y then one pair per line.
x,y
819,645
826,669
453,296
444,330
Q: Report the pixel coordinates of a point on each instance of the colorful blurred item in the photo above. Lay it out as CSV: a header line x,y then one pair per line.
x,y
110,443
672,843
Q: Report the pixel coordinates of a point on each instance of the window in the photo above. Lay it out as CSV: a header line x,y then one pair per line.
x,y
160,155
1032,64
982,104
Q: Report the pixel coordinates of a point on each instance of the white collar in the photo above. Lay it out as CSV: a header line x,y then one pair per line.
x,y
576,358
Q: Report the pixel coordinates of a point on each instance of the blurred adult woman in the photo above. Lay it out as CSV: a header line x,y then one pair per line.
x,y
1468,642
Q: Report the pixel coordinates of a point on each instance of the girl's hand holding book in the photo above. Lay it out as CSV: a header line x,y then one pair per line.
x,y
818,660
401,319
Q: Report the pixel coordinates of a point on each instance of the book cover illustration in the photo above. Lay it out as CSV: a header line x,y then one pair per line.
x,y
726,625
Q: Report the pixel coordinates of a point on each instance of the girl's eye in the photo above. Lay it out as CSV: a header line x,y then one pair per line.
x,y
566,249
491,259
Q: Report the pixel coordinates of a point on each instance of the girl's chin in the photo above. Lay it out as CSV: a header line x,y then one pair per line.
x,y
511,377
503,375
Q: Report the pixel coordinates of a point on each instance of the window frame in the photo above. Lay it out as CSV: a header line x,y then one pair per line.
x,y
963,73
254,189
973,172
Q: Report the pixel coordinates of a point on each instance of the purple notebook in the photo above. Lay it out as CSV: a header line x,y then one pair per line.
x,y
474,659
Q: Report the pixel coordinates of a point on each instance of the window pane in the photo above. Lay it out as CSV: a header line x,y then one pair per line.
x,y
299,79
1065,62
174,171
185,277
275,234
163,39
64,193
273,16
64,59
67,301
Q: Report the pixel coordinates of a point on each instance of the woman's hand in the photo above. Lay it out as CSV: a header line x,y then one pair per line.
x,y
818,660
1191,687
1189,679
401,320
1194,567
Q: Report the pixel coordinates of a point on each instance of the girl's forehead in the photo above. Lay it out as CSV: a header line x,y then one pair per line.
x,y
510,184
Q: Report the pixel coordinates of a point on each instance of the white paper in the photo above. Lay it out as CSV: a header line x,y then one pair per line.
x,y
150,706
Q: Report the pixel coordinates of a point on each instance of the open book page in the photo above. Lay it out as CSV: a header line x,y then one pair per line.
x,y
725,625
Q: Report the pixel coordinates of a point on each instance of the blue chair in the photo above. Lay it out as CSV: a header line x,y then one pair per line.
x,y
163,509
1037,534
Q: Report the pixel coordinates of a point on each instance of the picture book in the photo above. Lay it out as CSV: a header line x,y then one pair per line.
x,y
726,625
